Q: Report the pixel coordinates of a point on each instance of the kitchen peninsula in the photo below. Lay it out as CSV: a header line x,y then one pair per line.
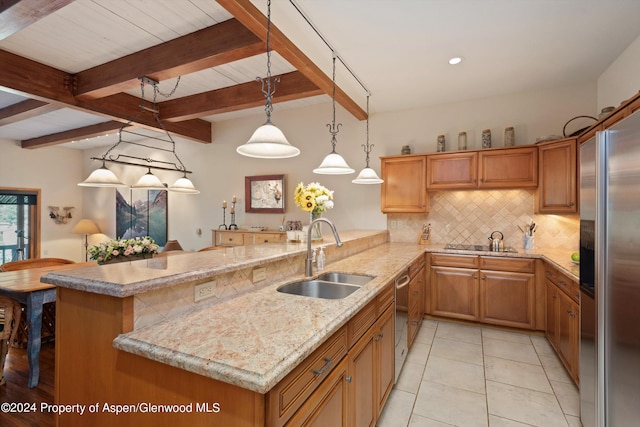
x,y
111,349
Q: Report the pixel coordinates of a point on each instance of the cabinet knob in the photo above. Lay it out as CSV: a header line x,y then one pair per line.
x,y
571,203
349,379
484,277
381,335
475,276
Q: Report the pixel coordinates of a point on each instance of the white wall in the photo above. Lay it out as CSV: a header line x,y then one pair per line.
x,y
55,171
622,79
219,171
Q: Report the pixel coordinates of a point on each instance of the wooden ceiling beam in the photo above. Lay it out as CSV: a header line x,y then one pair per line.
x,y
292,86
92,131
209,47
24,110
18,14
33,79
255,21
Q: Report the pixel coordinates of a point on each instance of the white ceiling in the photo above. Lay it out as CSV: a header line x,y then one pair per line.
x,y
398,49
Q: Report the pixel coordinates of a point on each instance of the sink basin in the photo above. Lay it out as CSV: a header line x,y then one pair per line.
x,y
319,289
351,279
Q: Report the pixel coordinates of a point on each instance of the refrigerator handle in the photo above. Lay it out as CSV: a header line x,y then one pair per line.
x,y
600,273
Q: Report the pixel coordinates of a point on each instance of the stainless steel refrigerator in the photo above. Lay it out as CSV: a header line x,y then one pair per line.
x,y
610,277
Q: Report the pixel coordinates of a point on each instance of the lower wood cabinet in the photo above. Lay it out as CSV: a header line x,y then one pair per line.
x,y
416,299
496,290
563,317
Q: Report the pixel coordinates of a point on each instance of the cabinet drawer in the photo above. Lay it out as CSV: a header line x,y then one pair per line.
x,y
230,239
516,265
448,260
385,298
416,266
294,389
269,238
362,321
562,281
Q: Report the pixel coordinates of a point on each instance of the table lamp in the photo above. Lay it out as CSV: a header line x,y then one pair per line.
x,y
86,227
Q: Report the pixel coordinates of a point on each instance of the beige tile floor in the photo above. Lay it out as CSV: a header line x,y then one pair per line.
x,y
467,376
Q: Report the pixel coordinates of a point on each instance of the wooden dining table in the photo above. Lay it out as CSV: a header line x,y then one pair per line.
x,y
25,287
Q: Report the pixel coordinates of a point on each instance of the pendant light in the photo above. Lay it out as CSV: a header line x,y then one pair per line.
x,y
268,142
333,164
103,177
367,175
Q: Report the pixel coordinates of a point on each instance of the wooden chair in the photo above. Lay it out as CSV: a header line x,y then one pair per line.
x,y
10,312
33,263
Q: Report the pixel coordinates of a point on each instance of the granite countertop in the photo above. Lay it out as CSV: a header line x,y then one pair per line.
x,y
256,339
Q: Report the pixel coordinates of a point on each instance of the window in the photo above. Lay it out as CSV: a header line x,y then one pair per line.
x,y
19,224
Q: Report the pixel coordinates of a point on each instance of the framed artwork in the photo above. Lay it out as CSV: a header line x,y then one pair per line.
x,y
141,213
264,194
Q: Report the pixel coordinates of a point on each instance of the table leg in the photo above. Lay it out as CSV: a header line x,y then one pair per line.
x,y
35,300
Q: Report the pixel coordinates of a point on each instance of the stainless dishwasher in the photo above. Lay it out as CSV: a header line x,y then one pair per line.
x,y
402,330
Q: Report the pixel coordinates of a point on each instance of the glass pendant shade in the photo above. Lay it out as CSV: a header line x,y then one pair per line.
x,y
149,181
102,177
333,164
368,176
184,185
268,142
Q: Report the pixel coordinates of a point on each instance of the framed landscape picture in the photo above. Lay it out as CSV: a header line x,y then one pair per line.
x,y
264,194
141,213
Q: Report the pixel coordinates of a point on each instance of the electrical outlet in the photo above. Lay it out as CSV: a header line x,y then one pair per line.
x,y
259,274
394,223
204,290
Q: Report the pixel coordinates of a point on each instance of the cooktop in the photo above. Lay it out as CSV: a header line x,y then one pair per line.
x,y
479,248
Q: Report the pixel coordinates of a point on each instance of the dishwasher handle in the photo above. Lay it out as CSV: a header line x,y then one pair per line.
x,y
402,281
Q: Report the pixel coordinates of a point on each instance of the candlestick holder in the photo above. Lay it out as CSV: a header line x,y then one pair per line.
x,y
223,226
233,225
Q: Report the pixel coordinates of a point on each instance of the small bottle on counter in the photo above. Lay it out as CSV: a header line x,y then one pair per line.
x,y
462,141
320,259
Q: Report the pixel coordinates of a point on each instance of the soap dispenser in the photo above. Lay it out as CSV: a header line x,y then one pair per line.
x,y
320,259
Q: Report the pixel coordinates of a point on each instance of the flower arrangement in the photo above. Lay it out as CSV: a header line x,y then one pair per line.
x,y
115,248
313,198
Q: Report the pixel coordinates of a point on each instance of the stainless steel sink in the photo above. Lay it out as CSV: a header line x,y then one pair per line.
x,y
352,279
319,289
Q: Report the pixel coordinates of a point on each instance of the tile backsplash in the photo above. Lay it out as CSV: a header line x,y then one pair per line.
x,y
470,217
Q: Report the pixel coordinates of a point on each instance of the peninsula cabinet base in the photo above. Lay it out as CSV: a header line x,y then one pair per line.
x,y
90,371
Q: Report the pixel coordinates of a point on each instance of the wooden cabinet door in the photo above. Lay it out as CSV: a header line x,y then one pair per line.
x,y
416,305
454,292
361,387
568,333
385,355
557,168
508,168
507,298
327,406
551,312
457,171
404,186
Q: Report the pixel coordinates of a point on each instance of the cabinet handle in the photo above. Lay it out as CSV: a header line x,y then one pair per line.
x,y
324,368
381,335
475,276
414,323
562,282
348,379
571,203
376,339
547,272
484,277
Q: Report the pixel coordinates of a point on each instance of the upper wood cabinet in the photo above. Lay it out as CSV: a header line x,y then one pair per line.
x,y
557,190
487,169
404,186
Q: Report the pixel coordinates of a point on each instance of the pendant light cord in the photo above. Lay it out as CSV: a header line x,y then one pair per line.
x,y
268,93
367,148
333,128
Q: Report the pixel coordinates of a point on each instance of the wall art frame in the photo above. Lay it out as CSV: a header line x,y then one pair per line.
x,y
264,194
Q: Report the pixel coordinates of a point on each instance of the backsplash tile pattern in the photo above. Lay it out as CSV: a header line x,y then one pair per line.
x,y
470,217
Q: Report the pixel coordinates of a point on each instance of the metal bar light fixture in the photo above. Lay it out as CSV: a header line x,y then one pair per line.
x,y
268,142
334,163
103,177
367,175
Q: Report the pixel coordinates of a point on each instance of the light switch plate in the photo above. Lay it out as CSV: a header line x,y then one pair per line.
x,y
259,274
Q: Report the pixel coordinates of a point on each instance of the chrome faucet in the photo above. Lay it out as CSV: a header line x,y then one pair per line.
x,y
309,261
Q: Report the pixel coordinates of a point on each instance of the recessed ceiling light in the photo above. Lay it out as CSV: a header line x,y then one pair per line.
x,y
455,60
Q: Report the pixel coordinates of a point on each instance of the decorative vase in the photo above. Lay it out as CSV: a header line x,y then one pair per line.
x,y
486,138
118,259
316,231
441,143
462,141
509,137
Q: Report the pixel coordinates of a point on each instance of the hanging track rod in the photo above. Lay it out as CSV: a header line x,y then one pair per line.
x,y
324,39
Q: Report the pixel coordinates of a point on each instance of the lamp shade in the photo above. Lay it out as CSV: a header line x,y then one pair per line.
x,y
85,226
149,181
333,164
268,142
368,176
172,245
184,185
102,177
